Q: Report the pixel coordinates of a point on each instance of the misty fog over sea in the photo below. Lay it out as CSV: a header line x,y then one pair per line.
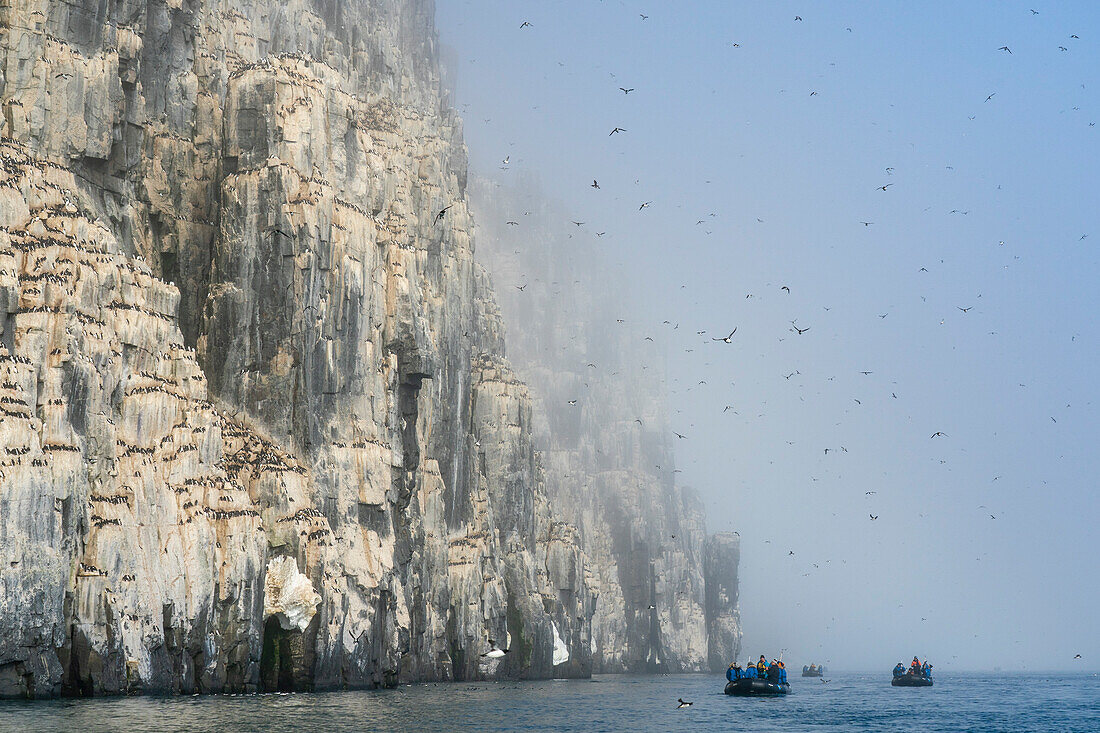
x,y
914,473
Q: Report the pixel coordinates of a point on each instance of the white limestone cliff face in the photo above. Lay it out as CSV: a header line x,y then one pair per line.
x,y
237,339
234,328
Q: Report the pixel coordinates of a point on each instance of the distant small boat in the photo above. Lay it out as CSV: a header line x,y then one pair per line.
x,y
911,680
757,688
813,671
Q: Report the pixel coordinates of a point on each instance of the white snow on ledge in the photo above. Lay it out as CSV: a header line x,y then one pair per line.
x,y
289,595
561,651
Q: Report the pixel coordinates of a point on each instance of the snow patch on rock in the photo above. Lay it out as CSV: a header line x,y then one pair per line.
x,y
289,595
561,651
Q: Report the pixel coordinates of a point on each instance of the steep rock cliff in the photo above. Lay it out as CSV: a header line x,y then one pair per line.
x,y
721,557
240,321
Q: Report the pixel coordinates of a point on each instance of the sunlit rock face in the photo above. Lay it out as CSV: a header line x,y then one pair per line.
x,y
242,331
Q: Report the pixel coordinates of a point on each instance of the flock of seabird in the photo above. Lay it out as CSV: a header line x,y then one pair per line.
x,y
795,328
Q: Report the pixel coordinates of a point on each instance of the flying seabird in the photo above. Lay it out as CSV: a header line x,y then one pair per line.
x,y
617,129
595,183
1005,48
645,205
525,24
689,704
939,434
442,212
727,338
873,517
626,91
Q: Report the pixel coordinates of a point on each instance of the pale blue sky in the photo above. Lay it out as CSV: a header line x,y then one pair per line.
x,y
991,197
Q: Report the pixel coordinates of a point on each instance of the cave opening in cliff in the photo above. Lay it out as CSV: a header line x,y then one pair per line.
x,y
277,660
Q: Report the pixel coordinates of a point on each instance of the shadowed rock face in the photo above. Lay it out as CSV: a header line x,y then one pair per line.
x,y
723,552
234,328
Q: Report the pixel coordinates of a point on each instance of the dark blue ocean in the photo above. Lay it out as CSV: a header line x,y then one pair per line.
x,y
848,702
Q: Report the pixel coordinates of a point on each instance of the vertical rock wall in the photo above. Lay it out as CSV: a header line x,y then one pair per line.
x,y
240,320
722,555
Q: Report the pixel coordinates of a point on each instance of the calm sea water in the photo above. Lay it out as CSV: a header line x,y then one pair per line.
x,y
849,702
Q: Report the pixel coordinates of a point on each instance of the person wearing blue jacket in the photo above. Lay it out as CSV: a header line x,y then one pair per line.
x,y
750,672
899,670
926,669
734,672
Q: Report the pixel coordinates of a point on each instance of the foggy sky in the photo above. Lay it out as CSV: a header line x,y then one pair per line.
x,y
983,551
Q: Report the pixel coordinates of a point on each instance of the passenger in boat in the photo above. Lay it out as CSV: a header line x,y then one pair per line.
x,y
762,667
914,667
782,672
926,669
734,672
750,672
899,670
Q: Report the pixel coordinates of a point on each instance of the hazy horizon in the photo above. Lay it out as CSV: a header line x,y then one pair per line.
x,y
962,289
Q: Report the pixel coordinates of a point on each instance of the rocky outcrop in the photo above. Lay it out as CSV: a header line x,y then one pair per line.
x,y
721,558
242,332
